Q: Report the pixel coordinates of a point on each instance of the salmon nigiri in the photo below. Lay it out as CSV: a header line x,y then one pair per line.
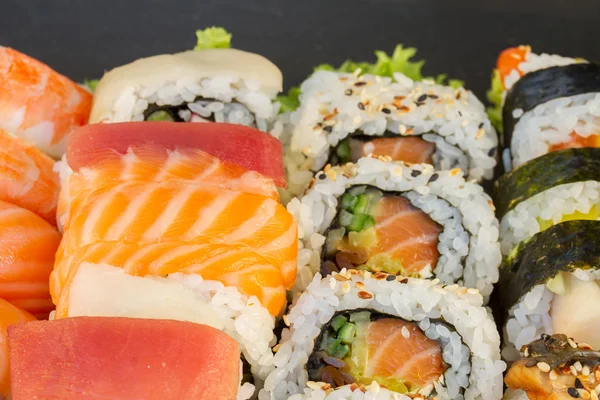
x,y
153,206
26,177
39,104
122,358
27,247
9,315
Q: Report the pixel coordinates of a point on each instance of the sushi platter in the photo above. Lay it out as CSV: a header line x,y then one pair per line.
x,y
182,225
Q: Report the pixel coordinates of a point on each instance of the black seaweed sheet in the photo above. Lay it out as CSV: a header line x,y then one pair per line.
x,y
563,247
543,173
541,86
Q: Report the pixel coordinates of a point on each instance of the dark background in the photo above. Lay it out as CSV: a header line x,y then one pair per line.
x,y
83,38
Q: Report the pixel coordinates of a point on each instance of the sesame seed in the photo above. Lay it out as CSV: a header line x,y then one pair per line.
x,y
422,98
348,92
390,278
584,394
433,96
578,384
573,370
572,343
360,83
405,332
526,352
346,287
585,371
530,363
322,176
459,113
365,295
585,346
480,133
286,320
593,395
405,280
328,129
433,178
578,366
419,104
415,173
492,152
573,392
544,367
361,106
402,129
553,375
385,110
481,125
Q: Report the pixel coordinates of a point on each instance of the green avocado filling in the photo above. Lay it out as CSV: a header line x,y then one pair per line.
x,y
160,115
494,96
386,65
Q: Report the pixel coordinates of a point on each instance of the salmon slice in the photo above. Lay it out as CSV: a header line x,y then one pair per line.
x,y
392,353
240,145
26,177
122,358
410,149
9,315
510,59
577,142
27,247
406,234
38,104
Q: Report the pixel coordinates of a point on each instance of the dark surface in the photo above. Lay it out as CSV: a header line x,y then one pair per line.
x,y
83,38
539,87
543,173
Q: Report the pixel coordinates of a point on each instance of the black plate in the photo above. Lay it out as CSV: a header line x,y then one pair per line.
x,y
83,38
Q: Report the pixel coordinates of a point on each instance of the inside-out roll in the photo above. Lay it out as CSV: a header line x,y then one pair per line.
x,y
548,103
102,290
547,281
357,335
343,117
400,219
220,85
556,187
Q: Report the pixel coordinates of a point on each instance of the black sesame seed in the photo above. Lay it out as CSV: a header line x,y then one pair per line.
x,y
578,384
390,278
481,125
459,113
322,176
433,96
348,92
531,363
360,83
415,173
328,129
422,98
385,110
573,392
545,336
492,152
419,103
361,106
434,178
405,281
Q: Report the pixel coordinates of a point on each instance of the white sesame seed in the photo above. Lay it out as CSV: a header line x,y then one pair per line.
x,y
544,367
584,394
578,366
405,332
572,343
573,370
585,370
553,375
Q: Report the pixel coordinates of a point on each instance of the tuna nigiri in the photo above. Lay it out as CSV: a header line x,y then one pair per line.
x,y
26,177
122,358
38,104
27,247
9,315
142,206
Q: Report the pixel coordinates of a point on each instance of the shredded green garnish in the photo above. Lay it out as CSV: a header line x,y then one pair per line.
x,y
91,84
386,65
494,96
213,38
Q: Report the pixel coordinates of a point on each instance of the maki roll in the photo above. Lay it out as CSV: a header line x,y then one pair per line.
x,y
548,103
357,335
546,280
554,367
209,85
38,104
556,187
101,290
344,116
400,219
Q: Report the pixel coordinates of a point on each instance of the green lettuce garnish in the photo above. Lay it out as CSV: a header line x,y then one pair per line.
x,y
494,96
213,38
91,84
386,65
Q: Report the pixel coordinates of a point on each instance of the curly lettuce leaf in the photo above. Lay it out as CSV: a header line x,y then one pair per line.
x,y
91,84
386,65
213,38
494,96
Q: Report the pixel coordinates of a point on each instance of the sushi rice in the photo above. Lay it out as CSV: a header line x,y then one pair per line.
x,y
453,119
468,245
470,344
